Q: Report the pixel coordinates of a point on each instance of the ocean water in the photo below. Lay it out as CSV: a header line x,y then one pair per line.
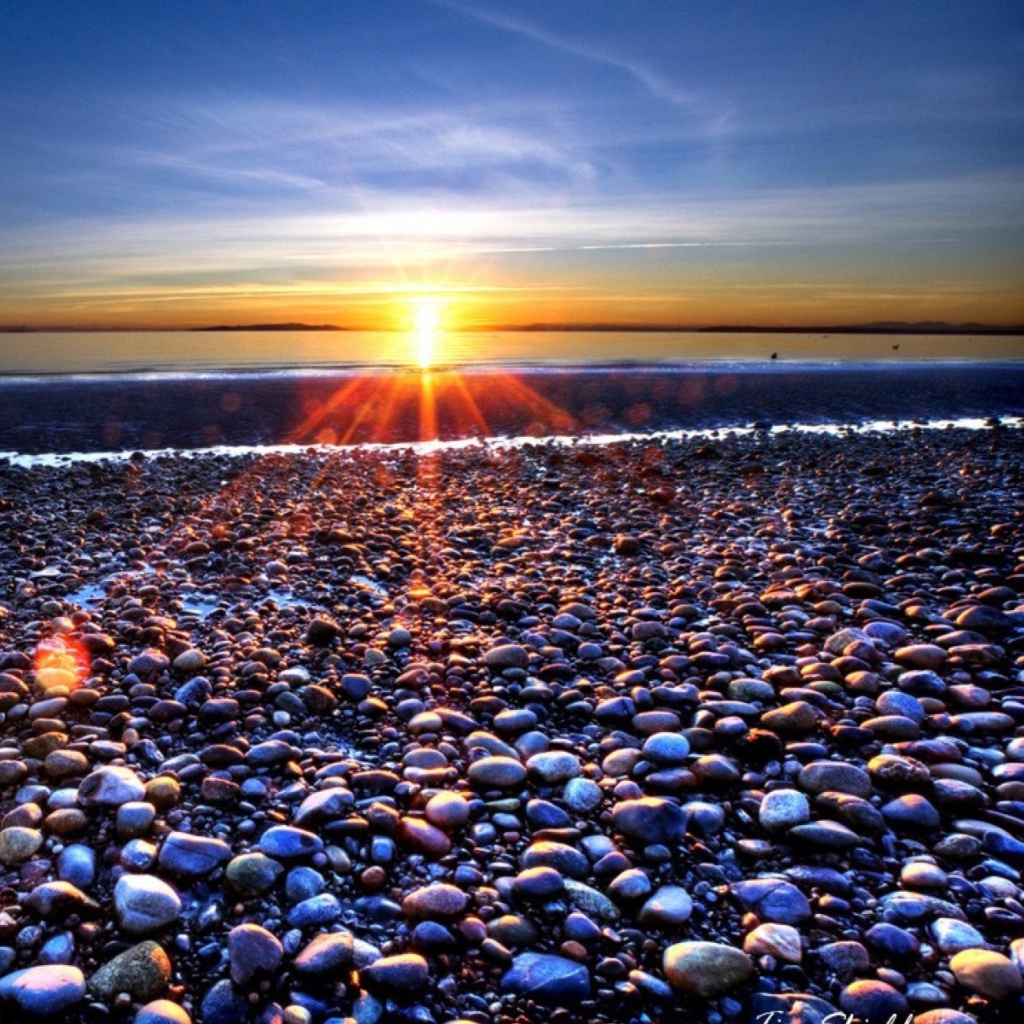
x,y
199,391
313,351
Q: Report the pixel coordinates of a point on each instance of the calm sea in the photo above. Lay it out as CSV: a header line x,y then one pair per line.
x,y
207,351
188,390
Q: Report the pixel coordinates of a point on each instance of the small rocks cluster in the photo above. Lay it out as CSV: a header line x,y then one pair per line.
x,y
684,731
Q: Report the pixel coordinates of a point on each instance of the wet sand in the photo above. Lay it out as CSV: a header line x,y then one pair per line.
x,y
115,413
655,731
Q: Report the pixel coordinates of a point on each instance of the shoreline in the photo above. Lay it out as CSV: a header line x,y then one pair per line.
x,y
521,724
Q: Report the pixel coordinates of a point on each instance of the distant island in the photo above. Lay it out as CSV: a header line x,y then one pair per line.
x,y
271,327
876,327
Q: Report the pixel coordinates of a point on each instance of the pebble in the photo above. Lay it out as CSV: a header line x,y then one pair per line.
x,y
144,904
987,973
546,978
143,971
706,969
45,991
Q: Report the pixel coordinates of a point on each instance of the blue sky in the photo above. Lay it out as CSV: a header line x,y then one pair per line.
x,y
689,162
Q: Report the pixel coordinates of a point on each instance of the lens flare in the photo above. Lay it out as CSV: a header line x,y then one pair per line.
x,y
61,663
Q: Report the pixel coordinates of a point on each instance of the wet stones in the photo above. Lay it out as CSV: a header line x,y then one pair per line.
x,y
143,971
44,991
706,969
145,904
110,786
650,820
548,979
834,776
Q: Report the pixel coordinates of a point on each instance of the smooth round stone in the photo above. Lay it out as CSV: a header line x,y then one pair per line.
x,y
134,818
953,936
873,1000
507,656
223,1004
322,806
582,795
781,809
781,941
560,856
834,776
670,905
650,819
497,772
920,874
553,767
162,1011
797,718
632,884
447,810
327,953
911,811
892,940
923,656
406,972
44,991
323,909
18,844
60,764
440,900
143,971
846,957
110,786
77,864
546,978
285,842
252,950
144,904
829,835
987,973
538,883
302,883
252,874
896,702
185,854
944,1015
773,900
893,770
666,749
703,819
706,969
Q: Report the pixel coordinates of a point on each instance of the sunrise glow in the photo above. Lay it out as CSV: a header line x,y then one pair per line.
x,y
426,321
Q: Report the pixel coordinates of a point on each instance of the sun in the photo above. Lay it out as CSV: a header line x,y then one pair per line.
x,y
426,321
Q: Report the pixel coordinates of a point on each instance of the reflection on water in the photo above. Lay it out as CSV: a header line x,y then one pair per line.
x,y
199,351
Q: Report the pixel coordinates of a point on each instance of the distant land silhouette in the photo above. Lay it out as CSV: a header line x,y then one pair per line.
x,y
875,327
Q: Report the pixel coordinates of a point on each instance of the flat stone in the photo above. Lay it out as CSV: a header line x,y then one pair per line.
x,y
253,874
987,973
781,809
781,941
835,776
670,905
507,656
953,936
546,978
326,954
144,903
162,1011
438,901
143,971
406,972
18,844
772,899
650,819
110,786
252,951
44,991
185,854
285,842
706,969
497,772
553,767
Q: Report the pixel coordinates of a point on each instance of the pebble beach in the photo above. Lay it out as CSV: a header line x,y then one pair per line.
x,y
723,729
